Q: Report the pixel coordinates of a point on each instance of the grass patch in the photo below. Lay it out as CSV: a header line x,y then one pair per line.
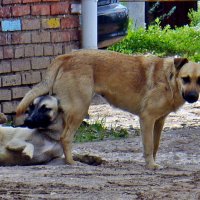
x,y
97,132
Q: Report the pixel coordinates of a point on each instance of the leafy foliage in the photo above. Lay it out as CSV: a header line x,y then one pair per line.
x,y
181,41
194,17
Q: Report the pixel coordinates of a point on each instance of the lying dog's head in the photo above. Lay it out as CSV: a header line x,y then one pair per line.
x,y
42,112
188,79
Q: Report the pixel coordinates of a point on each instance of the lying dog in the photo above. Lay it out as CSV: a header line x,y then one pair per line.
x,y
24,146
148,86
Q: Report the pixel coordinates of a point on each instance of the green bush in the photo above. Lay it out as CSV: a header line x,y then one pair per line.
x,y
181,41
194,17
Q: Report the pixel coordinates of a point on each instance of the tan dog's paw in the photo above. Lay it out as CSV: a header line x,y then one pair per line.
x,y
70,162
153,166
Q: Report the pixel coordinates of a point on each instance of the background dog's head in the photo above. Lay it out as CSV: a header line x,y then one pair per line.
x,y
188,79
42,112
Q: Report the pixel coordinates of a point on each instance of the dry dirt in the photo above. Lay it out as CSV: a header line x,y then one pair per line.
x,y
116,168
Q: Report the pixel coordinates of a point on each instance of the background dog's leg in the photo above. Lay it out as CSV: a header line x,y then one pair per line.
x,y
147,127
158,127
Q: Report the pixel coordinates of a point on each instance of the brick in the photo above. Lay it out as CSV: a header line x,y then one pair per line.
x,y
5,67
29,51
21,38
51,23
50,0
8,52
70,22
30,1
48,50
43,73
1,53
5,12
20,65
38,50
40,63
19,92
41,37
5,95
31,77
11,25
18,11
74,35
9,107
40,10
5,2
60,36
58,49
70,47
19,52
3,39
11,80
60,8
30,24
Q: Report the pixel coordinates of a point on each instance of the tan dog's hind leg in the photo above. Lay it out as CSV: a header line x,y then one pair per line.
x,y
158,127
147,127
73,123
75,98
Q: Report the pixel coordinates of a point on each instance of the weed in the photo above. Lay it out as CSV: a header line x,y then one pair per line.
x,y
97,131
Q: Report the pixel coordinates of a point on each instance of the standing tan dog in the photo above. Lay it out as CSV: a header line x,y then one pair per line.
x,y
150,87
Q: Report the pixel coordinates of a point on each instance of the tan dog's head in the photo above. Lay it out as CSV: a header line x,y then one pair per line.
x,y
188,79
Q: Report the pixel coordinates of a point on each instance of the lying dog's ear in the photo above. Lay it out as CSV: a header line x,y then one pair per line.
x,y
179,62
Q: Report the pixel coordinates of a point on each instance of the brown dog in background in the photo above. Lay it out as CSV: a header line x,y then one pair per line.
x,y
148,86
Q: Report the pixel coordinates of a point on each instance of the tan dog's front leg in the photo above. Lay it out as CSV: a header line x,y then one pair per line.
x,y
158,127
147,127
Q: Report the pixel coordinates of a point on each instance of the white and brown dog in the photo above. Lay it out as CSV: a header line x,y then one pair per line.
x,y
40,142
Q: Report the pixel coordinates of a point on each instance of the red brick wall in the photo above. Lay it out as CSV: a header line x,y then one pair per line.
x,y
39,31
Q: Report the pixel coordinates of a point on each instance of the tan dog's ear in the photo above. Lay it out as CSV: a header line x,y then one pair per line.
x,y
179,62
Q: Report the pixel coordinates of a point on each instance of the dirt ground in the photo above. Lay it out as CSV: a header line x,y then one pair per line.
x,y
115,168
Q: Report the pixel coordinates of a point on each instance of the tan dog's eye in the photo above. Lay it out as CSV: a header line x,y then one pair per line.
x,y
186,80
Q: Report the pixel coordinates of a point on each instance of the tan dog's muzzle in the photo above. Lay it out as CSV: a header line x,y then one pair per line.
x,y
191,96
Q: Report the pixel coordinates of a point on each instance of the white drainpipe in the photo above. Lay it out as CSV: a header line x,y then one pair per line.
x,y
89,24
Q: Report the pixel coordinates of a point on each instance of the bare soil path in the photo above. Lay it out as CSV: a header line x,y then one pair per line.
x,y
118,171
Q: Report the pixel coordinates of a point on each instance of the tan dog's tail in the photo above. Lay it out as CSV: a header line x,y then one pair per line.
x,y
44,87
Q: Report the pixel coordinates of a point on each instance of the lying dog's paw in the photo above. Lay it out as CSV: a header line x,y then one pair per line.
x,y
28,152
3,118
